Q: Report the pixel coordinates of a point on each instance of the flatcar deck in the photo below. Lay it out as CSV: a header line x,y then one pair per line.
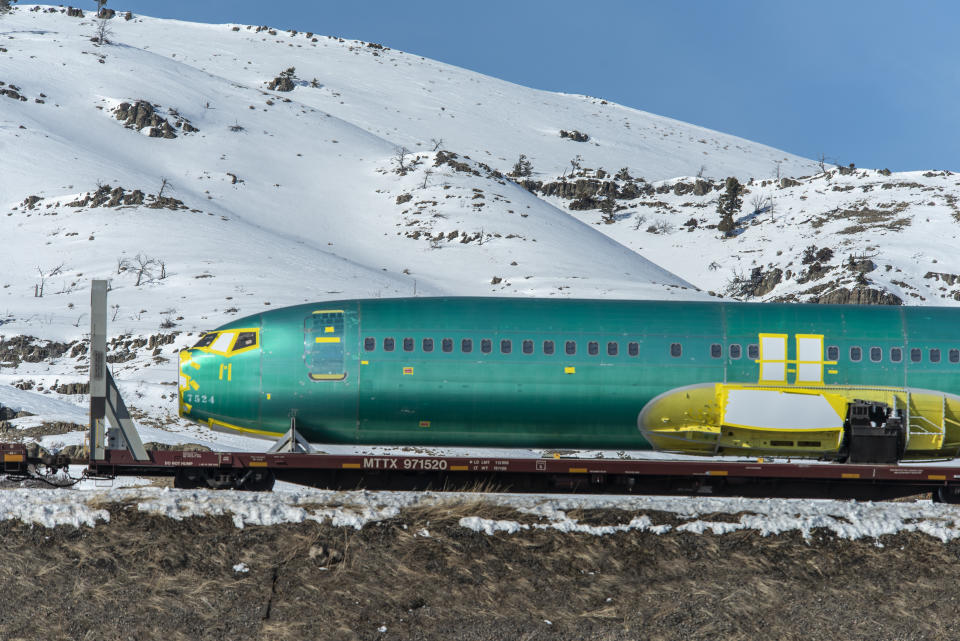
x,y
747,478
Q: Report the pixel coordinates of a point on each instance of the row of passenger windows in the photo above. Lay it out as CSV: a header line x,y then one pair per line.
x,y
833,353
734,350
527,346
896,354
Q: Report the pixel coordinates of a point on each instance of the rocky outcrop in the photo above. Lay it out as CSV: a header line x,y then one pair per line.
x,y
760,283
788,182
451,159
591,188
27,349
107,196
949,279
8,414
860,295
576,136
72,388
143,115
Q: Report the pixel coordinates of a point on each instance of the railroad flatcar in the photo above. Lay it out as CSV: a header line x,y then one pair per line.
x,y
712,378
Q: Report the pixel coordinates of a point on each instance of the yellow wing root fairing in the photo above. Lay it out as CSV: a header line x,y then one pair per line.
x,y
761,419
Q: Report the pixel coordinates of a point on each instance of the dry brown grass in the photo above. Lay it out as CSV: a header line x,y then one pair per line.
x,y
147,577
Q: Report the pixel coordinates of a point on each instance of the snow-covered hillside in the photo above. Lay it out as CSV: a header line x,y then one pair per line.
x,y
840,236
212,171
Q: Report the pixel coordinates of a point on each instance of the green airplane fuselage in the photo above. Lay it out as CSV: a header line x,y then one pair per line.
x,y
331,364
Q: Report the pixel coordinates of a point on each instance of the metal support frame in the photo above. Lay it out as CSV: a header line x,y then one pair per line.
x,y
291,441
106,403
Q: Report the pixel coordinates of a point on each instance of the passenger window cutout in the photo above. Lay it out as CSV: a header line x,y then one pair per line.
x,y
505,346
716,350
388,344
486,345
896,354
408,344
676,350
753,351
735,351
833,353
916,355
323,346
427,344
773,358
934,355
571,347
466,345
548,347
613,349
633,349
593,348
856,354
876,354
528,347
446,345
369,344
954,355
809,358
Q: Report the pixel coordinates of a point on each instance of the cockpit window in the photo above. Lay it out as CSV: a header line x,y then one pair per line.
x,y
206,339
222,344
246,339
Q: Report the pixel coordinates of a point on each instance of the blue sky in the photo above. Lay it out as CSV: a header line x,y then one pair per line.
x,y
872,83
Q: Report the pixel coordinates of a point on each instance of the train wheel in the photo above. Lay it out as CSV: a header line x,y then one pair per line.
x,y
188,480
947,494
259,482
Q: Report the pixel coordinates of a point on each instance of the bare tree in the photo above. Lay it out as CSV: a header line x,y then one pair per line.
x,y
44,275
116,310
168,320
437,143
761,203
777,164
822,161
162,264
144,266
426,176
164,183
123,264
104,31
700,171
401,159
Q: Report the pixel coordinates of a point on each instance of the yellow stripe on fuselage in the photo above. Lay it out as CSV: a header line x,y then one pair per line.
x,y
328,339
248,430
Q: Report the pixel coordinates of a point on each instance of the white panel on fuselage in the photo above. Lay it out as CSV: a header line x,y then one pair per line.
x,y
222,343
772,409
810,348
773,348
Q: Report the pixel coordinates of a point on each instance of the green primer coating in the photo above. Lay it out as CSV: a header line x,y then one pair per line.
x,y
529,400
